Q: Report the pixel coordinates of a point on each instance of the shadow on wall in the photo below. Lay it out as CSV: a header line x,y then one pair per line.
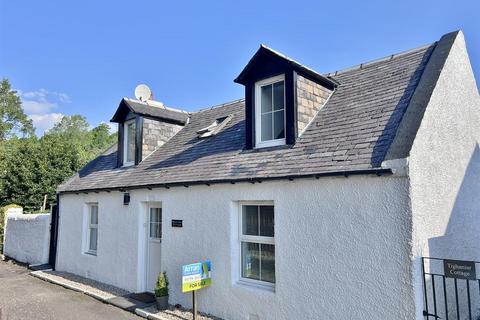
x,y
461,241
462,235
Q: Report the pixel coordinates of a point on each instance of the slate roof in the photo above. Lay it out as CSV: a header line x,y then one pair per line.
x,y
142,108
353,131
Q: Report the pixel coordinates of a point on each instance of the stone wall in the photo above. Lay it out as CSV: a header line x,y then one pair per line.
x,y
155,134
311,96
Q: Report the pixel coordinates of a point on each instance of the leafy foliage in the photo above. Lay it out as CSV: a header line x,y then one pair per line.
x,y
12,118
161,287
32,167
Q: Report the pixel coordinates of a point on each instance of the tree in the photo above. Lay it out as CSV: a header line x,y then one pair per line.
x,y
71,126
12,118
101,137
31,168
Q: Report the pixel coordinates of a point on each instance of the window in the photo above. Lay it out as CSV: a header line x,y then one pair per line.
x,y
270,112
155,223
129,143
257,244
92,229
215,127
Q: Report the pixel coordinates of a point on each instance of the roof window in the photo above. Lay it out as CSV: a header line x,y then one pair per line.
x,y
215,127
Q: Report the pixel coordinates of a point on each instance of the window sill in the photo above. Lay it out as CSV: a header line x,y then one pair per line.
x,y
270,143
256,286
129,164
91,253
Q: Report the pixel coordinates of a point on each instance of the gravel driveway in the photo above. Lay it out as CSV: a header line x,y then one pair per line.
x,y
25,297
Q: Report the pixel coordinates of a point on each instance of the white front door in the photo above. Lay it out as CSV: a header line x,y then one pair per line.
x,y
154,246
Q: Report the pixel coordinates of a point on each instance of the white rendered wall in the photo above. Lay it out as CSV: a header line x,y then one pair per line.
x,y
116,259
444,170
27,237
342,246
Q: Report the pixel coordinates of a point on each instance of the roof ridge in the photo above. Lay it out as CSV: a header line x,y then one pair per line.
x,y
375,61
160,107
219,105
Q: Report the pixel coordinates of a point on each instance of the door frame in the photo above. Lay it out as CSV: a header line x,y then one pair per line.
x,y
144,230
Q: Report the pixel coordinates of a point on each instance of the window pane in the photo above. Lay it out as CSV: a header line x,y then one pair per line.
x,y
152,230
279,125
131,142
266,221
93,239
93,215
155,215
268,262
155,230
250,260
266,125
266,98
278,94
250,220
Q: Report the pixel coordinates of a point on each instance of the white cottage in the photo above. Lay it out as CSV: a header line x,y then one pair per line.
x,y
314,197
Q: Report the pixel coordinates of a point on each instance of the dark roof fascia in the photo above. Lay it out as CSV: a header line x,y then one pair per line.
x,y
118,114
116,117
411,120
346,173
326,81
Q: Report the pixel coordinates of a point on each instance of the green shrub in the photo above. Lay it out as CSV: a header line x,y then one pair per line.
x,y
161,287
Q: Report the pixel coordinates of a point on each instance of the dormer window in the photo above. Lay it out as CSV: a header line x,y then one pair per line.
x,y
282,97
270,112
143,127
129,143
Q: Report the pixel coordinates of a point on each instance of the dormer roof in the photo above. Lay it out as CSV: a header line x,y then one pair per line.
x,y
149,109
265,53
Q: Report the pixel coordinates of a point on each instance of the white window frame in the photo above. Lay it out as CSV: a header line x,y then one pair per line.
x,y
258,113
89,226
125,143
255,239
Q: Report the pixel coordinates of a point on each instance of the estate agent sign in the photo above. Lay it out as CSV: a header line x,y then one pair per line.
x,y
196,276
459,269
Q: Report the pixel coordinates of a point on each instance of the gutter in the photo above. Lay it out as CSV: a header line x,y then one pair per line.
x,y
346,174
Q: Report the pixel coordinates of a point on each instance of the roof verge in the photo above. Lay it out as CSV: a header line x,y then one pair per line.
x,y
408,127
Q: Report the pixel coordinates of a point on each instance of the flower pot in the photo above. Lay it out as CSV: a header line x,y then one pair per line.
x,y
162,302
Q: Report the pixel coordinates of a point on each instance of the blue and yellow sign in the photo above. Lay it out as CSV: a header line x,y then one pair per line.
x,y
196,276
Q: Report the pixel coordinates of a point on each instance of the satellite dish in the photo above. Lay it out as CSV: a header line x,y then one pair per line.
x,y
143,92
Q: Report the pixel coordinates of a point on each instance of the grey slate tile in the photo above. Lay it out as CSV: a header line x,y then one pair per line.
x,y
351,132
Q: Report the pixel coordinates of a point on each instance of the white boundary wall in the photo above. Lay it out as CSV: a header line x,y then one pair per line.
x,y
27,237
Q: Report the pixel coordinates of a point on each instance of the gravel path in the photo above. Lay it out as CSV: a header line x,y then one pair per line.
x,y
107,292
83,284
178,314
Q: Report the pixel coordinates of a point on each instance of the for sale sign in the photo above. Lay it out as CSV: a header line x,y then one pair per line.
x,y
196,276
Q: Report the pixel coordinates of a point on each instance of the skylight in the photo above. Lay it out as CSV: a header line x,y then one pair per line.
x,y
215,127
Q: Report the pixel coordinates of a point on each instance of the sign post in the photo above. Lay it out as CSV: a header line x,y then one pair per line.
x,y
194,277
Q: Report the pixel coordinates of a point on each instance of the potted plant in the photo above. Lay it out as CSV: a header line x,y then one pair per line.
x,y
161,291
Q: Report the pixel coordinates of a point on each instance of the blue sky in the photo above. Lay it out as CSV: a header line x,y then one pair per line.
x,y
82,57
